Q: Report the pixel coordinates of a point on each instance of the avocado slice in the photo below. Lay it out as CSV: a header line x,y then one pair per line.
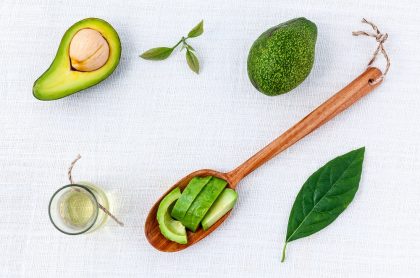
x,y
170,228
202,203
220,207
96,51
189,194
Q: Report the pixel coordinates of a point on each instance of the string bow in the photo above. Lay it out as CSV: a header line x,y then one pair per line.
x,y
380,38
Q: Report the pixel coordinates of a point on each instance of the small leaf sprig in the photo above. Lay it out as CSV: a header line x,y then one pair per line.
x,y
161,53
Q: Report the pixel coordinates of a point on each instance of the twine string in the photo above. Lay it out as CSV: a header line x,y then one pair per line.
x,y
71,168
99,205
380,38
110,215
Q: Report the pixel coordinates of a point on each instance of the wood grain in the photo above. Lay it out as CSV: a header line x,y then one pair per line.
x,y
337,103
357,89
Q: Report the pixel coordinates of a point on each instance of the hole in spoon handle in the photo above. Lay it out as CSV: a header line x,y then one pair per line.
x,y
350,94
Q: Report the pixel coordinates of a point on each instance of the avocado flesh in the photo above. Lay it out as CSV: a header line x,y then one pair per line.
x,y
202,203
283,56
188,196
170,228
221,206
60,80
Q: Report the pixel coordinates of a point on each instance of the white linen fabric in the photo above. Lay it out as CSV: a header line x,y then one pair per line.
x,y
151,123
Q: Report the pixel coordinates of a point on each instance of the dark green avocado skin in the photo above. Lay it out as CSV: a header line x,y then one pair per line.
x,y
283,56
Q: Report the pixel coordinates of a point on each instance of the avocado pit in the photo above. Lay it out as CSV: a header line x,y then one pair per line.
x,y
88,50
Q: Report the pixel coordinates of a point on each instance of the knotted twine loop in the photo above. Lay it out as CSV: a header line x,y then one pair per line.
x,y
99,205
380,38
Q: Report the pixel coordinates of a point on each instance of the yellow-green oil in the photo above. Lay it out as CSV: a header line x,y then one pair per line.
x,y
77,209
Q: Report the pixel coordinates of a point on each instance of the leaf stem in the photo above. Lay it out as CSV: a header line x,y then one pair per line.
x,y
181,40
283,256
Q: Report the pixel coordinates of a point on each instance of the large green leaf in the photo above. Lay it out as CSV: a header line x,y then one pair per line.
x,y
325,195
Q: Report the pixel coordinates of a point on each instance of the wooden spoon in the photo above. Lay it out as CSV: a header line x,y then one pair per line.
x,y
358,88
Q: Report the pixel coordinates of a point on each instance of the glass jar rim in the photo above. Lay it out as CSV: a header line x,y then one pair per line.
x,y
89,192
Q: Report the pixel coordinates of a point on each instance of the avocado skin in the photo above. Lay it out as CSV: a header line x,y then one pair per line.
x,y
282,57
59,80
188,196
202,203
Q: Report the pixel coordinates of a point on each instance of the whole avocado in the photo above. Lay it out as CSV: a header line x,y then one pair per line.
x,y
283,56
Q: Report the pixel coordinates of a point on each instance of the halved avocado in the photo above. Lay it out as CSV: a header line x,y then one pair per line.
x,y
170,228
61,79
188,196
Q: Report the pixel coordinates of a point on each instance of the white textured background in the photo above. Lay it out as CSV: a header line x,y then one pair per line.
x,y
151,123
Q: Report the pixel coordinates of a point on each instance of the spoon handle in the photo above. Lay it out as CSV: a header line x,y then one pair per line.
x,y
358,88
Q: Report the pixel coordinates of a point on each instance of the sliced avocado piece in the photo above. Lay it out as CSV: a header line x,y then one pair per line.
x,y
202,203
220,207
88,53
189,194
170,228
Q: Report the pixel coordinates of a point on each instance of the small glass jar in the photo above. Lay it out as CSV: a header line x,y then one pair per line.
x,y
75,209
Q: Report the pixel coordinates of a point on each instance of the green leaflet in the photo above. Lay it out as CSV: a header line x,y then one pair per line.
x,y
192,61
158,53
325,195
197,30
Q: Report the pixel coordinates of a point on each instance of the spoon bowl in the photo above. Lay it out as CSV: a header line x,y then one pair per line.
x,y
152,231
355,90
